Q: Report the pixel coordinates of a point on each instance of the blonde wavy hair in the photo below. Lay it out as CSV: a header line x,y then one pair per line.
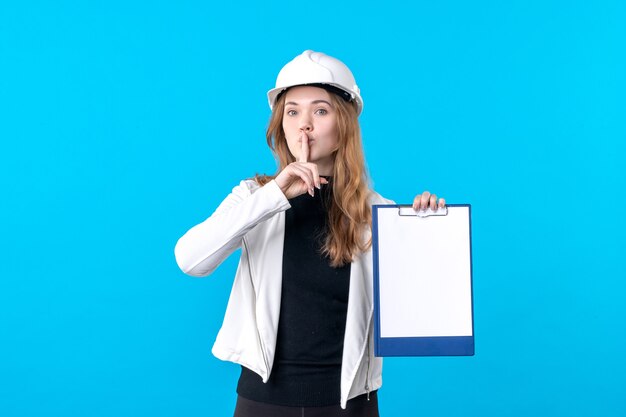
x,y
349,213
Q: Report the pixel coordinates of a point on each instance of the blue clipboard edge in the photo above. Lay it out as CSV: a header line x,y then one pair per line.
x,y
419,346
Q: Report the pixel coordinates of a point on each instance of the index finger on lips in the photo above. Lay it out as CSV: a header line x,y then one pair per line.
x,y
304,148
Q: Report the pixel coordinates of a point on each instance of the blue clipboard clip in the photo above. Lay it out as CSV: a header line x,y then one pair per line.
x,y
408,211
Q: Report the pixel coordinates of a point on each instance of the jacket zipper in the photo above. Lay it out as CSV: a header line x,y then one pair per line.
x,y
367,375
258,335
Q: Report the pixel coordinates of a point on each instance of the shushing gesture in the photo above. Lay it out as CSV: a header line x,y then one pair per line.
x,y
301,176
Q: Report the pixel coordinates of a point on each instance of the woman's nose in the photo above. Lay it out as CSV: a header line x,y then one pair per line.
x,y
305,124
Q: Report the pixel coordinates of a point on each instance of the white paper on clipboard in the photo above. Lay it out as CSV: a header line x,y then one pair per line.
x,y
423,273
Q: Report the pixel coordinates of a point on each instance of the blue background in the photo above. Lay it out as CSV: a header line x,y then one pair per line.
x,y
123,124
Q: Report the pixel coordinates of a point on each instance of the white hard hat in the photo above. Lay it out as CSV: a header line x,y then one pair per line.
x,y
312,67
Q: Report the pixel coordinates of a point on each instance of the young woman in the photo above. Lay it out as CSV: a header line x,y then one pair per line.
x,y
299,317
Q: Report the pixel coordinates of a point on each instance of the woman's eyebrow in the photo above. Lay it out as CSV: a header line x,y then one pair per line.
x,y
293,103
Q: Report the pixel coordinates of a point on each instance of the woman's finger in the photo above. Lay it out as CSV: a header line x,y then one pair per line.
x,y
316,174
416,202
304,148
433,202
428,200
306,175
305,171
424,200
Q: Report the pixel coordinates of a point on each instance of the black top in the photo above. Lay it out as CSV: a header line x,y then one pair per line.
x,y
314,302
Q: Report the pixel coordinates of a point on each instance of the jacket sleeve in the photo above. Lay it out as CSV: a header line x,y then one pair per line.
x,y
205,246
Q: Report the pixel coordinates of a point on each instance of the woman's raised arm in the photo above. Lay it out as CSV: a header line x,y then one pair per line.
x,y
205,246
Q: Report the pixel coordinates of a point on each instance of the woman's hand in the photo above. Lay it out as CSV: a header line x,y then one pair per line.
x,y
300,177
425,200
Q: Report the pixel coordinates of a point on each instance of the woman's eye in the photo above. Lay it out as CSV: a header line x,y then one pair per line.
x,y
322,111
291,112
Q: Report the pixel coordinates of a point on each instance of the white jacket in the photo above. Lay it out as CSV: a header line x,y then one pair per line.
x,y
253,218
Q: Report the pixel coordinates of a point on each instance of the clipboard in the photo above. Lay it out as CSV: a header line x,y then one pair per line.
x,y
423,298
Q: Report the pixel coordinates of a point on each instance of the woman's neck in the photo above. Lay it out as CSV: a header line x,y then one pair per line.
x,y
325,166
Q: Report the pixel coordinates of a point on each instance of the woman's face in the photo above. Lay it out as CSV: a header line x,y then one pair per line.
x,y
310,110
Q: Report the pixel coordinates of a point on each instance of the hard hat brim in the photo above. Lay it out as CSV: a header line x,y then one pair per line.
x,y
273,94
